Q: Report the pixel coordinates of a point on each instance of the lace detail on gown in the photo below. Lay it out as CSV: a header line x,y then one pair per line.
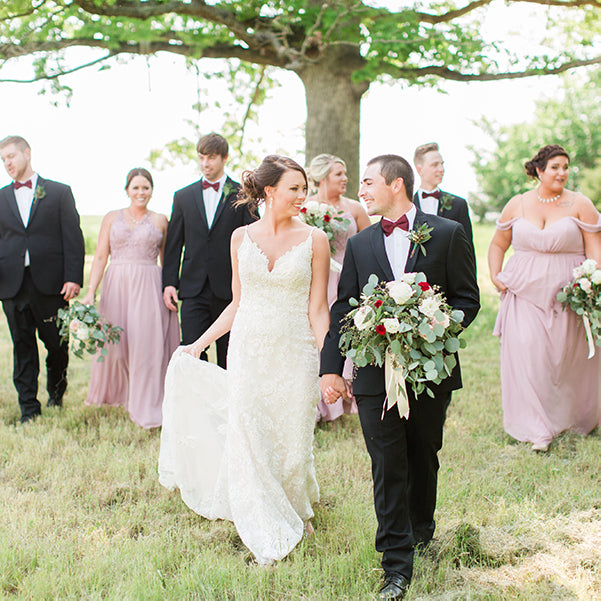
x,y
238,444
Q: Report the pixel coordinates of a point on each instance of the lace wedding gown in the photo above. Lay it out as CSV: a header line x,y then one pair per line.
x,y
238,443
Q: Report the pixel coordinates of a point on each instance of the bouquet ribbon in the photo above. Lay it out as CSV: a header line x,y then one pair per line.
x,y
396,389
589,336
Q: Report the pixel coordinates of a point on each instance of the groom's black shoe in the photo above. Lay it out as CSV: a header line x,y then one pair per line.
x,y
395,587
54,401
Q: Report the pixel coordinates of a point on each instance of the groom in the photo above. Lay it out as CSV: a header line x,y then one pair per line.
x,y
403,451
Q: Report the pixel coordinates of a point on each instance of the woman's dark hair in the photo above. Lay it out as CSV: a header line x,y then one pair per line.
x,y
393,166
268,173
542,157
138,171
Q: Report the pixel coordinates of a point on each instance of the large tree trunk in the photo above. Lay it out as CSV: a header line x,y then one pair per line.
x,y
334,108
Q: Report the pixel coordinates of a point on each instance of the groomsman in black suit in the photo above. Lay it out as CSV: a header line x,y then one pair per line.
x,y
429,197
41,268
203,218
403,451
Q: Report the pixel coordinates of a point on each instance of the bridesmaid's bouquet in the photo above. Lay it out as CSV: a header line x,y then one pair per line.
x,y
406,326
86,329
322,216
583,295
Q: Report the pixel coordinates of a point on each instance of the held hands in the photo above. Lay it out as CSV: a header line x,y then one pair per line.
x,y
170,298
70,290
333,387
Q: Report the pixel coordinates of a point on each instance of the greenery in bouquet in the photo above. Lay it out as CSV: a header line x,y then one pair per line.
x,y
87,331
324,217
583,295
411,321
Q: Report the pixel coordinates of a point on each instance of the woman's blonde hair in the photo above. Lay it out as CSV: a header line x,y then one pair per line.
x,y
321,166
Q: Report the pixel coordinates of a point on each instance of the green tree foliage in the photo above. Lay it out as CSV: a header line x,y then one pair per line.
x,y
336,47
571,119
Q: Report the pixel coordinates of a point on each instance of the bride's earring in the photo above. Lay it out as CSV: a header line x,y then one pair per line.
x,y
269,202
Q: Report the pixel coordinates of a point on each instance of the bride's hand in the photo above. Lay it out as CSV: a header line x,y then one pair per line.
x,y
193,349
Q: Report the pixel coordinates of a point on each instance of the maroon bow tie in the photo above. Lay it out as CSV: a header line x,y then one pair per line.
x,y
389,226
18,185
435,194
206,184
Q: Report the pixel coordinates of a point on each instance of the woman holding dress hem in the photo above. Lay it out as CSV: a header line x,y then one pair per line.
x,y
548,384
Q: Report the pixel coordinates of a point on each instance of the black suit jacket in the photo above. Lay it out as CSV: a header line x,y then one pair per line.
x,y
449,263
206,250
53,237
458,212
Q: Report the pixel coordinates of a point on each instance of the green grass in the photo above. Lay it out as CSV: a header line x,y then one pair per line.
x,y
83,515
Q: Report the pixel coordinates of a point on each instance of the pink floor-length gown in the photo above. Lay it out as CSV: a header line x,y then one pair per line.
x,y
133,373
548,384
325,412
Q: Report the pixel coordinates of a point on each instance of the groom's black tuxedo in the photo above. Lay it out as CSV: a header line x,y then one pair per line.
x,y
205,282
31,295
403,452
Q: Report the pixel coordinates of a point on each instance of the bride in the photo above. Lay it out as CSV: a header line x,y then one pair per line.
x,y
238,443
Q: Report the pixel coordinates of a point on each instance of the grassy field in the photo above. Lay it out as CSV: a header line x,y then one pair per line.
x,y
83,515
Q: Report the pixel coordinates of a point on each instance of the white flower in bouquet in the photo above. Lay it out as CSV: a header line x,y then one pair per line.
x,y
313,206
445,322
364,317
391,324
585,284
596,277
79,330
429,306
589,266
409,278
400,291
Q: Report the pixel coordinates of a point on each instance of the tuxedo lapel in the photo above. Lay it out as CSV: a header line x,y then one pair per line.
x,y
35,202
9,194
414,251
200,203
379,250
416,201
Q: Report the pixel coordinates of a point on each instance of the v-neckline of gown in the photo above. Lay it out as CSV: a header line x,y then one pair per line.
x,y
266,257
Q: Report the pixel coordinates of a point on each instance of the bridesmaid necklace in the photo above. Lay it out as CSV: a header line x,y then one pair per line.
x,y
548,200
136,221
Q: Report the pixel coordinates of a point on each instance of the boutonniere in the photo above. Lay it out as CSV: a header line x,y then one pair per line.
x,y
227,189
419,236
445,201
40,192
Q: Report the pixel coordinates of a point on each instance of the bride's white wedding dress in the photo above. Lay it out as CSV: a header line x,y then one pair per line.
x,y
238,443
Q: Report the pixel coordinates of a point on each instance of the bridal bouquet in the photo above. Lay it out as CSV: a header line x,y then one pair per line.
x,y
86,329
583,296
324,217
406,326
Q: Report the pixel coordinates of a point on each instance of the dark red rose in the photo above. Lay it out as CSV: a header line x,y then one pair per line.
x,y
378,304
381,330
326,218
424,286
303,210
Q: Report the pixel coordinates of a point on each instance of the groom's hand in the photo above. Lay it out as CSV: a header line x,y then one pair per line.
x,y
333,387
170,298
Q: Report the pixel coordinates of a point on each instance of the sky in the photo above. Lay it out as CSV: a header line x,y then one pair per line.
x,y
117,116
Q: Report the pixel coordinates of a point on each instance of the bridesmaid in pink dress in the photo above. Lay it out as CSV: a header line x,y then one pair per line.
x,y
328,174
133,372
548,384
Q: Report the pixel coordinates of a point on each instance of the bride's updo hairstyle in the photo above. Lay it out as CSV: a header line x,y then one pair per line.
x,y
268,173
542,157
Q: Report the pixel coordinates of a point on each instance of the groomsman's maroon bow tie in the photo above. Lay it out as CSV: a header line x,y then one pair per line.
x,y
435,194
389,226
21,184
206,184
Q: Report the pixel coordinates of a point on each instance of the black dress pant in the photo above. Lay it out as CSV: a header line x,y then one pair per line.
x,y
405,474
30,311
197,314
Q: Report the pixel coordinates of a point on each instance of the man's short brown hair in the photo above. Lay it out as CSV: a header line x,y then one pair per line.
x,y
421,151
213,144
18,141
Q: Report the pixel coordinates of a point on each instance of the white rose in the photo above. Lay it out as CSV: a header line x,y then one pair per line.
x,y
428,307
409,278
577,272
596,276
400,291
363,318
312,206
82,333
585,284
74,325
589,266
391,324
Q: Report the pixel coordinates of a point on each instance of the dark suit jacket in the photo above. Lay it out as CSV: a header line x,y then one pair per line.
x,y
53,237
206,251
449,263
458,212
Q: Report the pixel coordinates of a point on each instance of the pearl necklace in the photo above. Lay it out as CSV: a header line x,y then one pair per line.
x,y
548,200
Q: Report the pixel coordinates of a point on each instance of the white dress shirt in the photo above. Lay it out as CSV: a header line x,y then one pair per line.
x,y
429,204
24,198
211,199
397,245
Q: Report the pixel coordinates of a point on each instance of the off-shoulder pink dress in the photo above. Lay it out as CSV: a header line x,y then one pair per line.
x,y
133,373
548,384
